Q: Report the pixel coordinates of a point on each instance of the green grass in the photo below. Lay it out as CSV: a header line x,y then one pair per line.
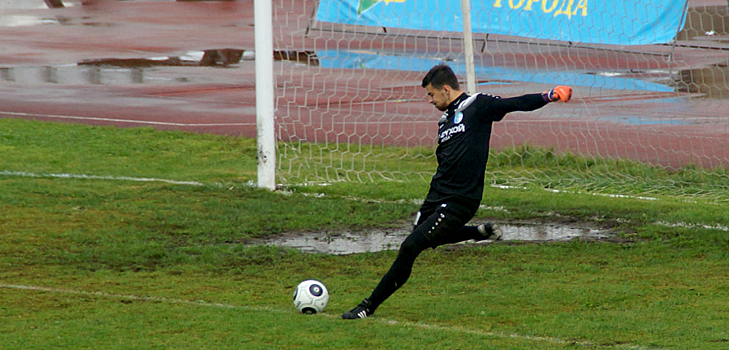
x,y
118,264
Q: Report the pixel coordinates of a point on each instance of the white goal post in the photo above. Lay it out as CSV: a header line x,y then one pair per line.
x,y
266,136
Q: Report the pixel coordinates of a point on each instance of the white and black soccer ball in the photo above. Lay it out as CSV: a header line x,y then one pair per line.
x,y
311,297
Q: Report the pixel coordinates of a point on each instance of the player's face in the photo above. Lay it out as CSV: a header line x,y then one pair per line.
x,y
438,97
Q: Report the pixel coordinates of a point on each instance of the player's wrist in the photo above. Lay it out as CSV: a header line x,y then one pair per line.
x,y
559,93
545,96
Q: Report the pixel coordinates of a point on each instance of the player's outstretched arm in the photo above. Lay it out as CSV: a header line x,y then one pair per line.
x,y
559,93
499,107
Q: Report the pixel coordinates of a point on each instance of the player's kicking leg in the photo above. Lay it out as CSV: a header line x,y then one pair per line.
x,y
488,231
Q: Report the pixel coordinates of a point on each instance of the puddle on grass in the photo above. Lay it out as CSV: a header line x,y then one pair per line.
x,y
375,241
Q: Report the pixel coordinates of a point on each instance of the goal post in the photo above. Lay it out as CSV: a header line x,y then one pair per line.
x,y
468,47
265,108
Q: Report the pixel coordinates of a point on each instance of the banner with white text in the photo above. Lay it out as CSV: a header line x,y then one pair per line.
x,y
627,22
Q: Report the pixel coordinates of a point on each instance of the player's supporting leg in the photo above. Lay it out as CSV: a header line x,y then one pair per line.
x,y
398,274
445,225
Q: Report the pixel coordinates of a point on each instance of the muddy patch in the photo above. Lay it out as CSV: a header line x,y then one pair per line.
x,y
379,240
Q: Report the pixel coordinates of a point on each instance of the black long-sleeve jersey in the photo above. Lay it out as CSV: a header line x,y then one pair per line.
x,y
464,132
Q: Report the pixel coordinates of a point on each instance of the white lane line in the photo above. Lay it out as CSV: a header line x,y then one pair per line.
x,y
115,120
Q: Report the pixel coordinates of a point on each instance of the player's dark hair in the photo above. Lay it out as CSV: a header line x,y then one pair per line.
x,y
441,75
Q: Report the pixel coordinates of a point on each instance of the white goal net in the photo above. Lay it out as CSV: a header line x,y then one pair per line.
x,y
649,78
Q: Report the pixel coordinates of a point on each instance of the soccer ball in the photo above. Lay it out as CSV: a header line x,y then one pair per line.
x,y
311,297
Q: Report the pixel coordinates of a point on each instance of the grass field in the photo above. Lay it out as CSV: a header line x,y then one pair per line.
x,y
96,252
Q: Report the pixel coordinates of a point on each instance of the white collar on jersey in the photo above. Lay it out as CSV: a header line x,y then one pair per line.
x,y
461,106
467,102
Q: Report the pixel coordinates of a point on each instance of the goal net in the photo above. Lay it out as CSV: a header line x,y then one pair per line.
x,y
649,79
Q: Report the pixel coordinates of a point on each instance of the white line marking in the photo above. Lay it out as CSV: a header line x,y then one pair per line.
x,y
506,187
322,195
390,322
129,121
133,297
97,177
693,226
186,125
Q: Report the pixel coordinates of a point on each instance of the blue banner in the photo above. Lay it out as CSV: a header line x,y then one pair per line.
x,y
626,22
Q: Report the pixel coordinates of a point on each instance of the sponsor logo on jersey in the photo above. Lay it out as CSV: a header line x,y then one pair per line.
x,y
446,134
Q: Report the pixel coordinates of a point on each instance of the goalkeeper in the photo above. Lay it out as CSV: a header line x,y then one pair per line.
x,y
455,191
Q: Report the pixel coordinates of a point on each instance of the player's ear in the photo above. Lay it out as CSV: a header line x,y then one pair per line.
x,y
447,89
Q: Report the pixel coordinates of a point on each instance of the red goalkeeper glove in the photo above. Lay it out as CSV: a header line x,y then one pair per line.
x,y
559,93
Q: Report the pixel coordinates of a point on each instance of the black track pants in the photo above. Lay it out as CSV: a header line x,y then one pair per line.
x,y
437,224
